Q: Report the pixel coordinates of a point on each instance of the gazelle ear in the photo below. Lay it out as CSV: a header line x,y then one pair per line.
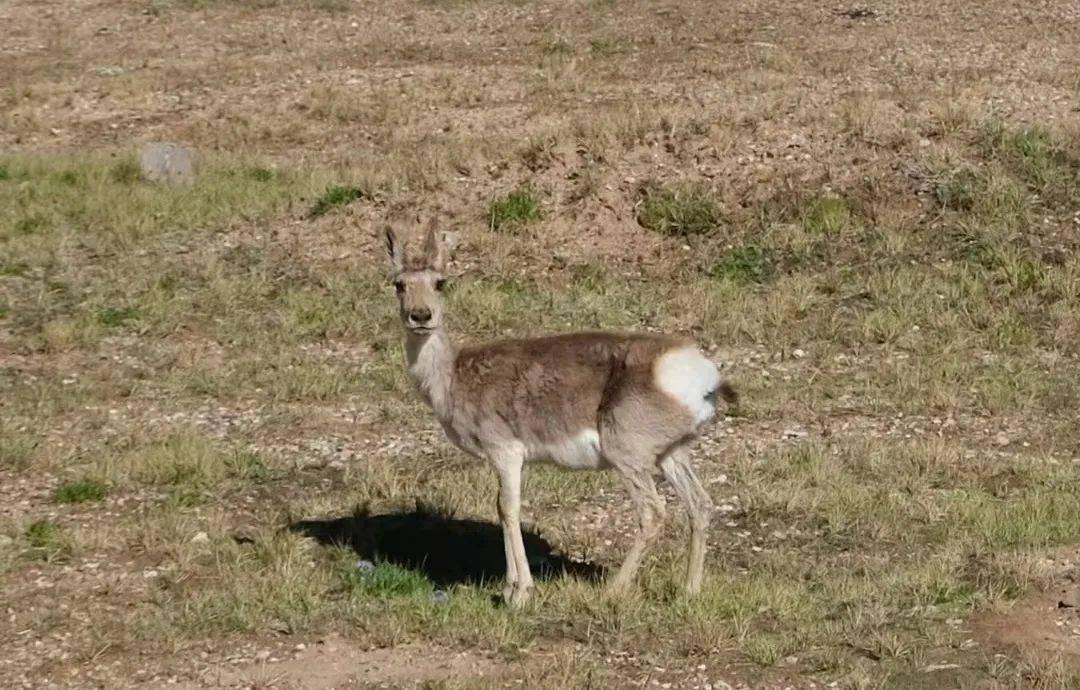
x,y
434,250
394,250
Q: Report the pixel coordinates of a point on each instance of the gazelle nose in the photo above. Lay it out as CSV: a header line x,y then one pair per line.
x,y
420,316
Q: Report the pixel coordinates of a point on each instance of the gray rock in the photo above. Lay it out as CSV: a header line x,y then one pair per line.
x,y
364,565
163,161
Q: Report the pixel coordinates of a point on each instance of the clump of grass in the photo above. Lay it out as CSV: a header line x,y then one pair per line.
x,y
47,540
958,190
514,210
827,215
16,450
746,264
108,211
384,579
607,47
586,183
334,196
114,317
681,210
260,174
80,491
5,174
126,171
558,46
271,580
538,154
1032,153
71,177
186,460
30,224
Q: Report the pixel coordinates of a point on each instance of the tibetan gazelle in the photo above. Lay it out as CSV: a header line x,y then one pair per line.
x,y
632,403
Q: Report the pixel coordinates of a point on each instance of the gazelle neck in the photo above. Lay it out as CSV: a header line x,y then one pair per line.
x,y
430,359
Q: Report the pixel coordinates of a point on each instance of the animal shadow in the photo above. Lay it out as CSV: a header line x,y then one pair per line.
x,y
447,549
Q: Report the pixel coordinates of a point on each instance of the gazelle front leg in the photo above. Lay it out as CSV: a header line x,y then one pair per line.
x,y
519,580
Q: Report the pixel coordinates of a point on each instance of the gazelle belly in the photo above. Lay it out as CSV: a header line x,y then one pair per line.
x,y
578,452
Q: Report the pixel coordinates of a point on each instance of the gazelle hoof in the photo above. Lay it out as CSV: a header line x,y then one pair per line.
x,y
515,596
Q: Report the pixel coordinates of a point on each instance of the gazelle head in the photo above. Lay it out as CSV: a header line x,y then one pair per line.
x,y
418,278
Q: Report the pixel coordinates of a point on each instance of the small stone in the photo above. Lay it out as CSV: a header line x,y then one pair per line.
x,y
1002,439
364,565
200,538
440,596
939,667
262,655
798,353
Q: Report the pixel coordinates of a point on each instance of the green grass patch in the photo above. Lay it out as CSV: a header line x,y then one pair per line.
x,y
47,540
334,196
184,460
115,317
516,209
91,199
1033,154
958,190
383,580
80,491
260,174
678,210
126,172
16,449
827,215
1037,518
747,264
30,224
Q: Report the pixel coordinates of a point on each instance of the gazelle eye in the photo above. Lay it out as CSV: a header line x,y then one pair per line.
x,y
399,286
440,284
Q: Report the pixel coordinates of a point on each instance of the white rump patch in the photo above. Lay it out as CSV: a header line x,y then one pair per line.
x,y
688,376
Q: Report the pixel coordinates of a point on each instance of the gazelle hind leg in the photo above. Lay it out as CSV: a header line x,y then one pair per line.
x,y
676,468
650,514
511,557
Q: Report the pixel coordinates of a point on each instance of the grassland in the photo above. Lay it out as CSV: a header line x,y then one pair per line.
x,y
870,219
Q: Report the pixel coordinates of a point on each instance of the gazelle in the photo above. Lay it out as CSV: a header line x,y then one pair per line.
x,y
632,403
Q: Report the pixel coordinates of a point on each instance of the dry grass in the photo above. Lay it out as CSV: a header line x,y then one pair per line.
x,y
887,264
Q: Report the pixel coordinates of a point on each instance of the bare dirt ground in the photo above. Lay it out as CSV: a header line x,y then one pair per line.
x,y
886,267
